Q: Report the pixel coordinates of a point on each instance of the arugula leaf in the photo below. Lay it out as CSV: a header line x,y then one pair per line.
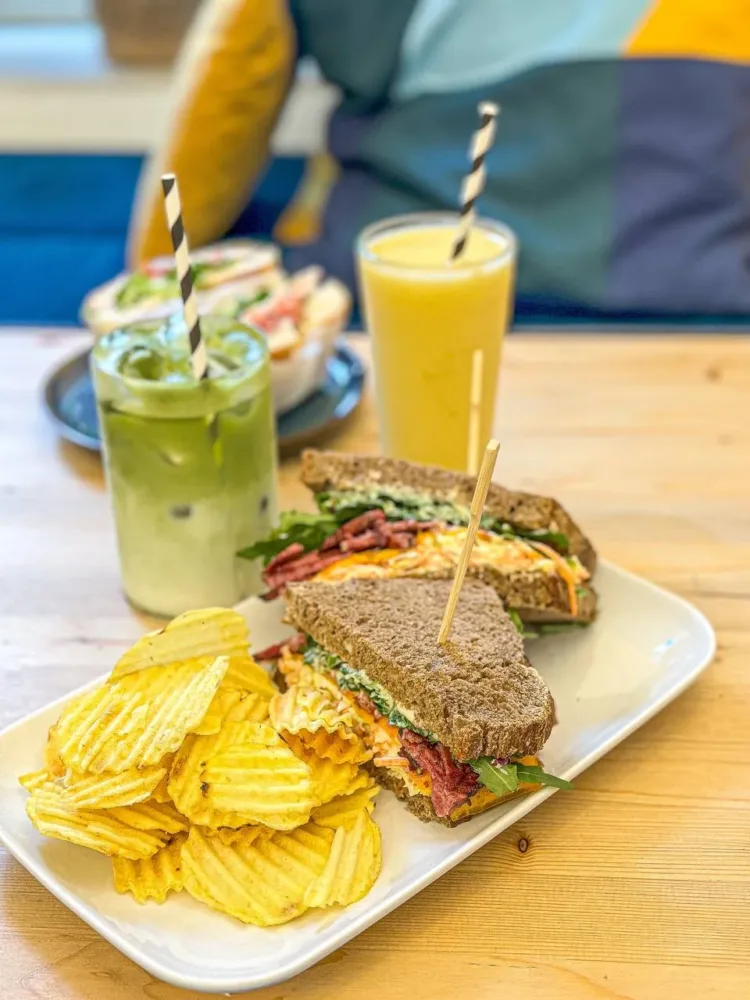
x,y
556,539
531,774
310,530
516,619
525,631
555,628
499,779
504,779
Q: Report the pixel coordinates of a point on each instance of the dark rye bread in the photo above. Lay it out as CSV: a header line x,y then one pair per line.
x,y
421,805
332,470
478,694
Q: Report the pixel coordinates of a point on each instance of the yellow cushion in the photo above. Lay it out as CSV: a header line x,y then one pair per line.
x,y
230,83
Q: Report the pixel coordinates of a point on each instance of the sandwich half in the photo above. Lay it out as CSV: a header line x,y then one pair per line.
x,y
247,269
387,518
453,730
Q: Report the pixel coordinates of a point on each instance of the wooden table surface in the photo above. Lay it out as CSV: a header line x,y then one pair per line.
x,y
637,885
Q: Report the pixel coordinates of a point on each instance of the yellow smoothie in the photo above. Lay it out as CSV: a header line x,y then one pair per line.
x,y
426,318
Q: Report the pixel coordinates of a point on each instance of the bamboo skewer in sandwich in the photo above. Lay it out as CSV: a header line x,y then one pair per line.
x,y
475,516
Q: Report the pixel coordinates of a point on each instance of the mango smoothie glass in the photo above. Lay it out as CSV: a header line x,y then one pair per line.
x,y
191,465
426,318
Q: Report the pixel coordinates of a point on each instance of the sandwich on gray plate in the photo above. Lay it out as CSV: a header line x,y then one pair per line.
x,y
387,518
453,730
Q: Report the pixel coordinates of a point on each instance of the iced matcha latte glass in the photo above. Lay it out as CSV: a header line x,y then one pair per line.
x,y
191,466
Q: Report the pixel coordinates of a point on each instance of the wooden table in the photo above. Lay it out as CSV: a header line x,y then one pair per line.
x,y
637,885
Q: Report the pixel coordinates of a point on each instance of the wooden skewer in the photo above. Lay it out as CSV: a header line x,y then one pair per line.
x,y
475,413
475,516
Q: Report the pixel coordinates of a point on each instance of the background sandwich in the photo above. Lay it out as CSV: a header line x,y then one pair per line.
x,y
247,269
452,730
386,518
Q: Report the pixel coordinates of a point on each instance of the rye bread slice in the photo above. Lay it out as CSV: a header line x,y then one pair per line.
x,y
478,694
332,470
421,805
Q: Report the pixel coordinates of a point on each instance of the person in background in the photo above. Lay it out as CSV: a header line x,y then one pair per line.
x,y
622,157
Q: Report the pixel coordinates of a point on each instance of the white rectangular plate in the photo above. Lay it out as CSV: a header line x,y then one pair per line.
x,y
646,647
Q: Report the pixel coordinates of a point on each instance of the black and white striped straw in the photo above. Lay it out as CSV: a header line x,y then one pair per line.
x,y
173,208
473,183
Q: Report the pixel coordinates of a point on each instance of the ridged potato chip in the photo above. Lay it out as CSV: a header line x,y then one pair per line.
x,y
154,877
361,780
186,787
262,780
95,829
156,816
232,705
190,770
135,721
329,779
259,877
345,809
195,635
52,760
327,745
35,780
292,667
247,675
160,793
104,791
320,721
352,867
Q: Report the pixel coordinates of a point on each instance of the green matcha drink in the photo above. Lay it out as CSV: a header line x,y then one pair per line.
x,y
191,466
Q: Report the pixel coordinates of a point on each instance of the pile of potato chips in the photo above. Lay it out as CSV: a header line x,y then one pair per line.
x,y
191,771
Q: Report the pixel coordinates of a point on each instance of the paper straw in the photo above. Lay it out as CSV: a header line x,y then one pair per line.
x,y
477,506
475,412
173,208
473,183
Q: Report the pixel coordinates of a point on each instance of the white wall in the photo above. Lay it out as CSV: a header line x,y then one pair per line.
x,y
59,93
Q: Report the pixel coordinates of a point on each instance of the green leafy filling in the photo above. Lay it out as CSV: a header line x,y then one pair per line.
x,y
137,287
534,631
346,504
336,508
516,619
141,286
310,530
558,628
252,300
503,779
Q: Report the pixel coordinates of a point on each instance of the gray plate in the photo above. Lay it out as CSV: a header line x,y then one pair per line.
x,y
69,399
